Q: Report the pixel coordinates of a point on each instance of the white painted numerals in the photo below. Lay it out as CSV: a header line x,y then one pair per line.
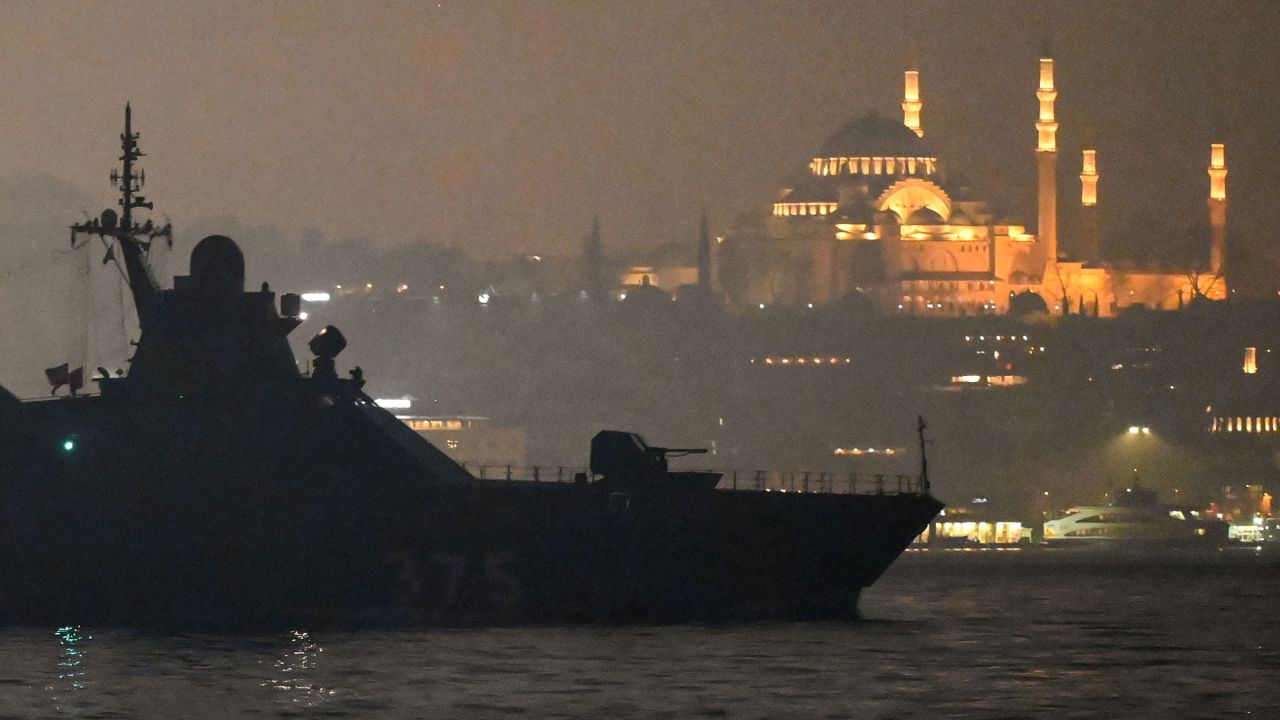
x,y
447,580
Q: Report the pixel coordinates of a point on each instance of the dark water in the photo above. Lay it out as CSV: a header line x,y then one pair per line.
x,y
969,635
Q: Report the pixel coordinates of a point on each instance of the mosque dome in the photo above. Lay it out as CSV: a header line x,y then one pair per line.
x,y
808,194
925,216
874,135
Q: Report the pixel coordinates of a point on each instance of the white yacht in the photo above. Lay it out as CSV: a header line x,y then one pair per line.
x,y
1133,523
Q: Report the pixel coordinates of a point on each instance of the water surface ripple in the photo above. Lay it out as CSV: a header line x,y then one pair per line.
x,y
964,635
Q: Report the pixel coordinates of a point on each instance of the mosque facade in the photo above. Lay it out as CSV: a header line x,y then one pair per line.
x,y
874,218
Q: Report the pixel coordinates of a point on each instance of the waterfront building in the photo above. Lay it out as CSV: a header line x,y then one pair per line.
x,y
474,442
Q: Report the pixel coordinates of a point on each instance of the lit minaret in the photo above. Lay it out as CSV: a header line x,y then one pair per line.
x,y
1089,179
1089,207
1217,207
911,102
704,256
1047,162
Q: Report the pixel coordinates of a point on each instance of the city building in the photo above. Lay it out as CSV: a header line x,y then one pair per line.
x,y
475,442
471,440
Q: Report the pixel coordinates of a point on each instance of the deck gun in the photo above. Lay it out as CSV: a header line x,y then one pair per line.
x,y
623,460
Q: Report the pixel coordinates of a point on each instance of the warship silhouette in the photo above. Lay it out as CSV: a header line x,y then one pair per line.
x,y
216,485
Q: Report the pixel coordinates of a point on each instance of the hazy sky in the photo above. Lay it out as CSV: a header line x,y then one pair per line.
x,y
505,126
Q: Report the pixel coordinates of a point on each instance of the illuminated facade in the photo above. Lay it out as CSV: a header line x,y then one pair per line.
x,y
874,216
474,441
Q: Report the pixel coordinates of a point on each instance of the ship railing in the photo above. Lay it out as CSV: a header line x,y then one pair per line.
x,y
781,481
530,473
814,481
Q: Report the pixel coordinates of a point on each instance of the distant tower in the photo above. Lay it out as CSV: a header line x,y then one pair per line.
x,y
593,261
1047,162
1089,249
1217,208
704,257
911,102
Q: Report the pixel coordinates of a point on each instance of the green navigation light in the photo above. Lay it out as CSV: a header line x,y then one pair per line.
x,y
69,445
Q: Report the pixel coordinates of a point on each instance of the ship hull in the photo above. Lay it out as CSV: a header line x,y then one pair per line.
x,y
569,554
213,527
193,515
479,556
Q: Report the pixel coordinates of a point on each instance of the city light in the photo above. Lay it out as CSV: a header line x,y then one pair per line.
x,y
866,451
400,403
806,361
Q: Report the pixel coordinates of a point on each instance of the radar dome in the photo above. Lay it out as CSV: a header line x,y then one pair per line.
x,y
217,265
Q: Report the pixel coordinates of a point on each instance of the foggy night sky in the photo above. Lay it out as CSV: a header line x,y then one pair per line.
x,y
503,127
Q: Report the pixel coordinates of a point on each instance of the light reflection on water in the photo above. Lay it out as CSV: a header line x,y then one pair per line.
x,y
945,636
295,672
72,672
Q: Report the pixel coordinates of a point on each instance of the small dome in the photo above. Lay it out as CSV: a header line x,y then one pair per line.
x,y
807,194
647,294
1027,303
856,212
925,216
217,265
874,135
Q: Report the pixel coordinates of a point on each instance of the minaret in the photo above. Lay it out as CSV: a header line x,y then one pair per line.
x,y
704,256
1047,163
1217,208
911,102
1089,246
593,259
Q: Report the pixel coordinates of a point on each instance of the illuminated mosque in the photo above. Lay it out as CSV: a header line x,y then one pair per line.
x,y
875,217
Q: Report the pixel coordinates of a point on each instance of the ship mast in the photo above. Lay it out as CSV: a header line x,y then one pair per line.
x,y
134,240
924,458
